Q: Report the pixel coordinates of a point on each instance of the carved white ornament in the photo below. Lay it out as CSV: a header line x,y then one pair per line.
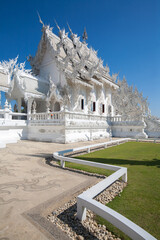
x,y
128,102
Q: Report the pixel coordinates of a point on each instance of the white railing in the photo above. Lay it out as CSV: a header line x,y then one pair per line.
x,y
85,116
86,199
114,119
54,117
2,112
18,116
9,118
51,117
120,118
59,117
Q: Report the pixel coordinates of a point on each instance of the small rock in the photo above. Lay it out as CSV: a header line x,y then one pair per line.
x,y
79,237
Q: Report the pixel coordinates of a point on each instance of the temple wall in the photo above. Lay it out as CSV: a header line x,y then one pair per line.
x,y
153,134
77,135
4,81
44,133
128,130
108,101
61,135
84,130
98,95
49,68
68,130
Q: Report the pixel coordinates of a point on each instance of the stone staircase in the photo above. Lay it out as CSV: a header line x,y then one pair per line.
x,y
8,136
152,127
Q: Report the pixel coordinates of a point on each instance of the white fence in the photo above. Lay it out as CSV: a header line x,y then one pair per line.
x,y
62,116
54,117
120,118
9,118
86,201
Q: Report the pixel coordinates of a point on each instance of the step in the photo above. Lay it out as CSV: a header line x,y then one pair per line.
x,y
2,144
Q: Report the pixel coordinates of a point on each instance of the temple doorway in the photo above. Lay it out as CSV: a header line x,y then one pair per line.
x,y
56,107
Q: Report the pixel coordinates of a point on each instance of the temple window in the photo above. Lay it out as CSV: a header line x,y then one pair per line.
x,y
103,108
82,104
86,68
56,107
109,109
94,106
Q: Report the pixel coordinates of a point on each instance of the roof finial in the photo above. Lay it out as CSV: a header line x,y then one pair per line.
x,y
57,25
85,36
69,28
70,31
40,20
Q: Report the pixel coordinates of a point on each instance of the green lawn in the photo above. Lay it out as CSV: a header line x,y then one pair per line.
x,y
140,200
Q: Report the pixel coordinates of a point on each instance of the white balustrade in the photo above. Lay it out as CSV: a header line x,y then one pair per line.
x,y
9,118
116,118
2,112
59,117
51,117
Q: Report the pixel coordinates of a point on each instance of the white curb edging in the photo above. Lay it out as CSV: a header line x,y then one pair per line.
x,y
86,201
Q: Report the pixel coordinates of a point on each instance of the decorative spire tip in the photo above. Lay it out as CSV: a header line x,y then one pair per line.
x,y
85,36
40,20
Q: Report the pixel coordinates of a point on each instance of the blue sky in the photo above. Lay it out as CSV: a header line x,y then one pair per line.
x,y
126,34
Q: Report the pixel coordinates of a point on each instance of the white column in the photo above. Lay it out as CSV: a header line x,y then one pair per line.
x,y
29,106
124,177
81,210
0,101
7,111
19,101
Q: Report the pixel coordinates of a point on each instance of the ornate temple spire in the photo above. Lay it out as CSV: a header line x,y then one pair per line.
x,y
40,20
70,31
57,25
85,36
62,33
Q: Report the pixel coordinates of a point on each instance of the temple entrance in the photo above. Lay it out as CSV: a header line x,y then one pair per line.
x,y
56,107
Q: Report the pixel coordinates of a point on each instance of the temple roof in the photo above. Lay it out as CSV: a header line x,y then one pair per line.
x,y
72,56
13,74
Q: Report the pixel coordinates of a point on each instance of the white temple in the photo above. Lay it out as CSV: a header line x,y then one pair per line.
x,y
69,96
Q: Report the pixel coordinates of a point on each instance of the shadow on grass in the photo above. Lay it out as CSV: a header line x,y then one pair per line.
x,y
154,162
50,161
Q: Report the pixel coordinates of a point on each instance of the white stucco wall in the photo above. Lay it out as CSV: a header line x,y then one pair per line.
x,y
46,133
128,131
48,68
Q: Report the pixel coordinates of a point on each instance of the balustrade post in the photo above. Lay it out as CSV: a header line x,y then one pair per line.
x,y
29,105
124,177
10,113
6,111
48,113
88,150
62,164
81,210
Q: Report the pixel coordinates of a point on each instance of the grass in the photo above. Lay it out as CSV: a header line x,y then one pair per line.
x,y
140,200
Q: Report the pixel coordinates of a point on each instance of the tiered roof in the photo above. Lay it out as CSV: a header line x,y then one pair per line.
x,y
73,57
12,73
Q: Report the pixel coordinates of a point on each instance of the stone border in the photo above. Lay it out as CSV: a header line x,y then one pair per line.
x,y
65,217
